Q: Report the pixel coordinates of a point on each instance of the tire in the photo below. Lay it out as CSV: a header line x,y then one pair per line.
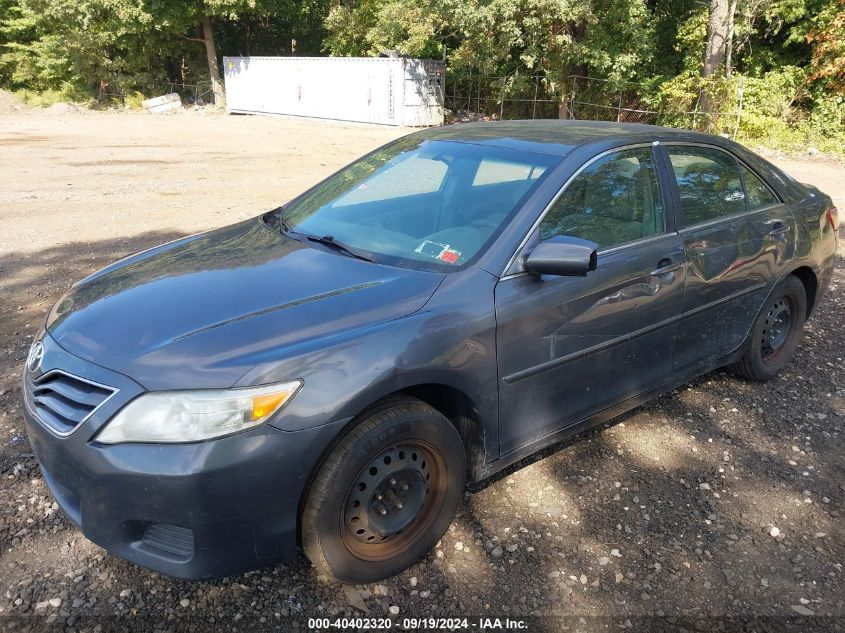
x,y
385,494
776,332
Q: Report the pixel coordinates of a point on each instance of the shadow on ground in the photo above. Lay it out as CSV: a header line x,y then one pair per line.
x,y
716,506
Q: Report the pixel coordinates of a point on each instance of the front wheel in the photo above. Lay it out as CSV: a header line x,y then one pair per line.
x,y
385,494
776,332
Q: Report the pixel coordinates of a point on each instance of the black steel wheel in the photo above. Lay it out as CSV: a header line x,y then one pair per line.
x,y
777,328
386,493
776,332
394,498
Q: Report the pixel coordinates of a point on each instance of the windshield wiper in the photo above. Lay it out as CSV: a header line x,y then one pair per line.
x,y
327,240
274,218
340,247
284,228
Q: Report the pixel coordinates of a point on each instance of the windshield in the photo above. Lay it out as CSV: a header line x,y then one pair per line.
x,y
424,204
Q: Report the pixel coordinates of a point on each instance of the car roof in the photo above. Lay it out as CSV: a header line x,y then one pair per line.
x,y
552,136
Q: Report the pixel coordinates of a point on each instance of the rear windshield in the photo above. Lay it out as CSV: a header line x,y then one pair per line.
x,y
434,205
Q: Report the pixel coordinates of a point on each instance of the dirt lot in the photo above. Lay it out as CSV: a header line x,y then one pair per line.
x,y
718,506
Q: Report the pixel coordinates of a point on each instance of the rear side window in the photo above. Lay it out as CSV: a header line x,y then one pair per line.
x,y
708,182
759,195
613,201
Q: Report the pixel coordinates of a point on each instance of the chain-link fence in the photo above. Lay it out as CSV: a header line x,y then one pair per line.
x,y
200,93
714,105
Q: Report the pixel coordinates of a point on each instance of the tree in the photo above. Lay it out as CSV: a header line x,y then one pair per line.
x,y
211,56
719,30
717,37
827,36
552,38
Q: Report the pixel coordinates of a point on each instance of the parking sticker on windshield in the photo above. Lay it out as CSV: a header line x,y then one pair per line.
x,y
450,256
432,249
443,252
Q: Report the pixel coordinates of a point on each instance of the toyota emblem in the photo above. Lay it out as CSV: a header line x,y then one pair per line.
x,y
36,355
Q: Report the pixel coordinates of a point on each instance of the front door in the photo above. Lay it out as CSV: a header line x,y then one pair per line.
x,y
569,347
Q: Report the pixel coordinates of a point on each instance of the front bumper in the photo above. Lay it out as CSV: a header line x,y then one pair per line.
x,y
192,511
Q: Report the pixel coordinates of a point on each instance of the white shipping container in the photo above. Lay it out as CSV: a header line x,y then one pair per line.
x,y
384,90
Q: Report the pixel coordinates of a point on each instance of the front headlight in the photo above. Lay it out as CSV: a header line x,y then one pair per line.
x,y
190,416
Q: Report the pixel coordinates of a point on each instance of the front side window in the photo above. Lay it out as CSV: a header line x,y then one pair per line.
x,y
614,200
708,183
419,203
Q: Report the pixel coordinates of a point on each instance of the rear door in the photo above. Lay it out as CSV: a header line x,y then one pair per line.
x,y
738,238
569,347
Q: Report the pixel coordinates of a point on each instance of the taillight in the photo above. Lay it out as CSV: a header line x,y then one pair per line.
x,y
833,218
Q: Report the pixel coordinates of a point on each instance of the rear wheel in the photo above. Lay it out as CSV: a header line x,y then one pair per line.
x,y
385,494
776,332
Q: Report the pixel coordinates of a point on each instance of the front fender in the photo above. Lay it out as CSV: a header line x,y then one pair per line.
x,y
451,342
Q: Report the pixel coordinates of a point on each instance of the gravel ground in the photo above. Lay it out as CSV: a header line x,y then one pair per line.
x,y
716,506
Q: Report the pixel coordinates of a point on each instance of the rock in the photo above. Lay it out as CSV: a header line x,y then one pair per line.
x,y
354,597
185,602
801,609
497,551
583,579
619,577
413,581
774,532
615,552
394,610
459,546
55,602
604,560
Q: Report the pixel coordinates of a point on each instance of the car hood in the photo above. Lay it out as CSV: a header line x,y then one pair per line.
x,y
202,311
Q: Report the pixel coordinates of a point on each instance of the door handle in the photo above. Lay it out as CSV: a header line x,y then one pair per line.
x,y
776,228
666,266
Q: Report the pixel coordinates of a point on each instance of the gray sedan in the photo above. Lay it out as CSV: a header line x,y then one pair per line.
x,y
328,375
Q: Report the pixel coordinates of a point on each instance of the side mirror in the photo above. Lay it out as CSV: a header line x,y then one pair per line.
x,y
563,256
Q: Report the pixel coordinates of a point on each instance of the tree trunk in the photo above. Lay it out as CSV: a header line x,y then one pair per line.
x,y
717,37
563,103
714,54
211,54
729,47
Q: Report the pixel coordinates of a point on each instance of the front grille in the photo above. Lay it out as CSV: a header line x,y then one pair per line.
x,y
63,402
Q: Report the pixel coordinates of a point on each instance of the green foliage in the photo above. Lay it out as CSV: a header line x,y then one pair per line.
x,y
788,55
776,94
116,46
827,34
370,27
771,114
133,101
45,98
